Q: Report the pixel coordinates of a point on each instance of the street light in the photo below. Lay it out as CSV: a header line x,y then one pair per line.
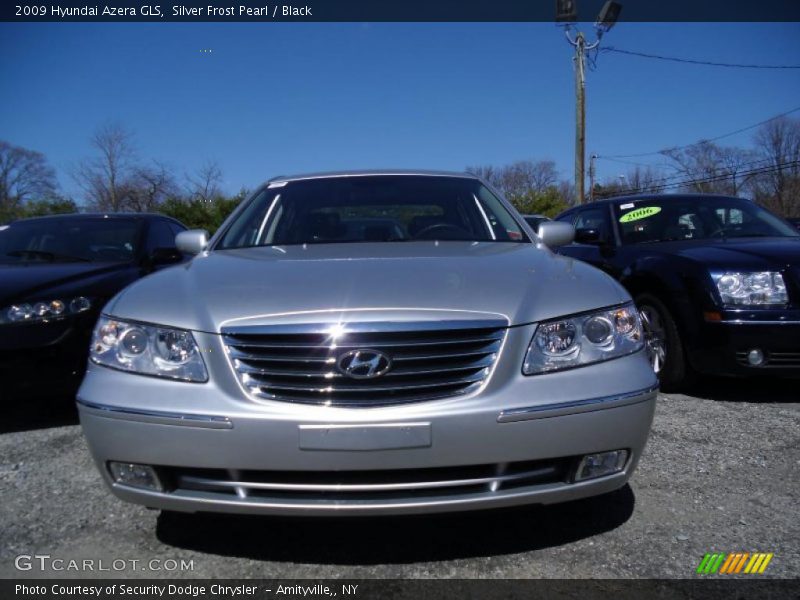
x,y
567,13
608,16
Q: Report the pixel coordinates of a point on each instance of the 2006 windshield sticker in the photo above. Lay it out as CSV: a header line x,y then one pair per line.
x,y
640,213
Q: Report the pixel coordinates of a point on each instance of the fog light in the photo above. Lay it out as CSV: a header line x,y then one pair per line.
x,y
755,357
140,476
601,464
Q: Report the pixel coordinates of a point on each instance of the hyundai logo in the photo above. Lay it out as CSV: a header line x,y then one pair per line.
x,y
364,364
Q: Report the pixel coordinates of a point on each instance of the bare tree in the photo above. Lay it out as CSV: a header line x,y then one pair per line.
x,y
708,168
24,176
204,185
524,176
521,177
778,185
148,187
525,182
645,180
104,179
566,189
486,172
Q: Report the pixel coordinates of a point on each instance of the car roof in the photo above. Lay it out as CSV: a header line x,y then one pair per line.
x,y
660,197
368,172
95,215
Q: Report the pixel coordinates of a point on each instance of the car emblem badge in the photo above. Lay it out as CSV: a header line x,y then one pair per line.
x,y
364,364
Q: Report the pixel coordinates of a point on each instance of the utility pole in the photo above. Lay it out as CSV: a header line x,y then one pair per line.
x,y
591,177
580,113
566,11
579,61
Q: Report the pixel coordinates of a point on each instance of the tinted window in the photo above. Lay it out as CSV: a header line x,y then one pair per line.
x,y
534,221
566,218
671,219
160,235
70,239
594,218
380,208
176,229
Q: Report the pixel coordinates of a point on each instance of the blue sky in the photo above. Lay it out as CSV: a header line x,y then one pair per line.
x,y
280,98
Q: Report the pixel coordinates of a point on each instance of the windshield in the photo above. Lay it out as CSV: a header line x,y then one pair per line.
x,y
372,208
693,218
70,239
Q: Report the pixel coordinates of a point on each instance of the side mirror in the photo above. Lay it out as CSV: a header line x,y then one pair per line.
x,y
589,236
192,242
165,256
555,233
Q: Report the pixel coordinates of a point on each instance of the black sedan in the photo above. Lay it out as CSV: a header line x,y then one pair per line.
x,y
56,273
716,279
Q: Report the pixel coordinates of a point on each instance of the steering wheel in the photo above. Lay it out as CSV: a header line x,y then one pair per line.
x,y
444,226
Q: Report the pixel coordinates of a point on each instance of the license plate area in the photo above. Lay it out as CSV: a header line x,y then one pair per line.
x,y
379,436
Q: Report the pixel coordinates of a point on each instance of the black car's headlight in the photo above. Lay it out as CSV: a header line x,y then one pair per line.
x,y
584,339
751,288
44,310
147,349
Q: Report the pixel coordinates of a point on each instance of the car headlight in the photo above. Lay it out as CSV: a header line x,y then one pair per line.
x,y
584,339
147,349
45,310
751,288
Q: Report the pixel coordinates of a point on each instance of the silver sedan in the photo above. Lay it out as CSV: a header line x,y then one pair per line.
x,y
365,343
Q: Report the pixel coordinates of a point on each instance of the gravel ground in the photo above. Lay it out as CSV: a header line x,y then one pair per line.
x,y
720,473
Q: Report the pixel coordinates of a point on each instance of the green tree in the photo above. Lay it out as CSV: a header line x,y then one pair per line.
x,y
548,202
52,206
199,214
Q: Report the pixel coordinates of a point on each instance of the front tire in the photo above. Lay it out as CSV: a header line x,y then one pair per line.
x,y
663,343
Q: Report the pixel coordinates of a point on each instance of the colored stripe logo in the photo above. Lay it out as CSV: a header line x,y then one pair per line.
x,y
735,563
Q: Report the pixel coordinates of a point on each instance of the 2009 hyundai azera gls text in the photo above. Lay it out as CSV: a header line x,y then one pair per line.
x,y
364,343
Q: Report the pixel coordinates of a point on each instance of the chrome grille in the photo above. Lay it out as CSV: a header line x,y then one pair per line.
x,y
361,486
302,363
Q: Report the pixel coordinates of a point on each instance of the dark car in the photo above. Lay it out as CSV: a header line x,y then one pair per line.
x,y
535,220
716,279
795,222
56,273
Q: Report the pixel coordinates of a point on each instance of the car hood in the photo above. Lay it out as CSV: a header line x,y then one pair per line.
x,y
407,281
742,253
27,281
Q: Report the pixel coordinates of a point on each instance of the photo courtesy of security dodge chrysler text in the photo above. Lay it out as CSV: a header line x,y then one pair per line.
x,y
369,343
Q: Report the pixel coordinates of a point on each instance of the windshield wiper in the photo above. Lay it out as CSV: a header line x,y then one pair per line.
x,y
51,256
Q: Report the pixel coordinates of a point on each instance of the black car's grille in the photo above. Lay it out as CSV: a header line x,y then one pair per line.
x,y
773,360
359,486
420,361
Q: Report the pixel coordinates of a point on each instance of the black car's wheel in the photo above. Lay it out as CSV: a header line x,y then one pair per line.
x,y
663,343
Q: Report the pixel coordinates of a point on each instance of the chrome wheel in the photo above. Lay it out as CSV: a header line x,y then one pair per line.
x,y
654,337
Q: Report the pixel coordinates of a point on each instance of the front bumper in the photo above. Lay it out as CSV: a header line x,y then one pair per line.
x,y
723,346
41,359
218,451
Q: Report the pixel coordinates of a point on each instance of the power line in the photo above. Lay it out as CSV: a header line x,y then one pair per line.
x,y
678,175
649,187
724,176
711,179
714,139
696,62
